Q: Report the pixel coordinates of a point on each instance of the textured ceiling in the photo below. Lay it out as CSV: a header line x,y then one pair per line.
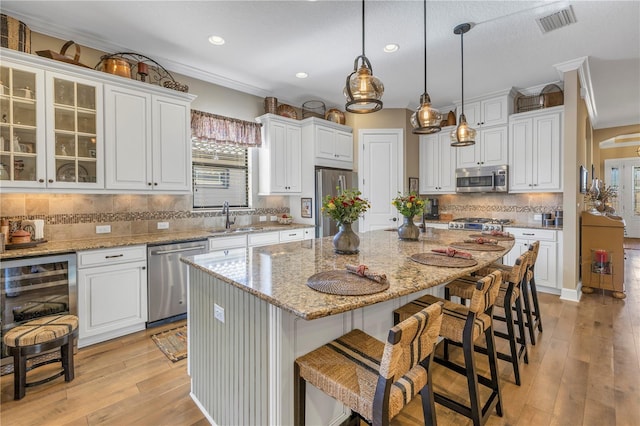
x,y
269,41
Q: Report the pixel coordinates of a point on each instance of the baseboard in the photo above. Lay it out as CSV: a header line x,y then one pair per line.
x,y
202,410
571,294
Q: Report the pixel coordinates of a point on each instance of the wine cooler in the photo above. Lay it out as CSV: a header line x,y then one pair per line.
x,y
35,287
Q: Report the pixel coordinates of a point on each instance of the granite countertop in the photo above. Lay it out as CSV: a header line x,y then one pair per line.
x,y
278,273
70,246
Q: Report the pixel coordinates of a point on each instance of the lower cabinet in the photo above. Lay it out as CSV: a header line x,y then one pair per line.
x,y
112,293
548,267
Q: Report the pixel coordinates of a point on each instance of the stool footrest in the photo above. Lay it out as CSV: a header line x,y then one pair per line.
x,y
45,380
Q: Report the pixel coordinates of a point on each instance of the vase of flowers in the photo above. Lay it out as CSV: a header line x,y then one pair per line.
x,y
600,196
408,205
345,209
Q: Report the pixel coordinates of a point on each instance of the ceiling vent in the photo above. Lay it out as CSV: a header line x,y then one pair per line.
x,y
556,20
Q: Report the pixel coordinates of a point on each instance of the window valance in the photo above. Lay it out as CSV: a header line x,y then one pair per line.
x,y
211,128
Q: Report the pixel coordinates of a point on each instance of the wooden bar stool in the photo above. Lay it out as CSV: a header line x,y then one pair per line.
x,y
510,300
374,379
465,326
37,336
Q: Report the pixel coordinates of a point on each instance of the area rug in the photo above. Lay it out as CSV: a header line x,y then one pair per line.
x,y
173,343
632,243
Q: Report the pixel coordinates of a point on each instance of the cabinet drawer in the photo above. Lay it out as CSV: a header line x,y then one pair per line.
x,y
264,239
309,233
227,242
292,235
533,234
111,256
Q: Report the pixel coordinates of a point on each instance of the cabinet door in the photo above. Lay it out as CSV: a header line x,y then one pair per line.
x,y
547,153
128,138
74,132
546,266
429,161
344,146
293,159
22,127
447,163
171,149
494,111
493,146
111,298
472,112
325,142
520,155
469,156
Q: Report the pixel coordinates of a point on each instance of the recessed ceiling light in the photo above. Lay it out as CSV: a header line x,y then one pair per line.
x,y
217,40
391,47
302,75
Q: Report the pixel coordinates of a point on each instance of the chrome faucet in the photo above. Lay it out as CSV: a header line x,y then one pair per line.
x,y
225,211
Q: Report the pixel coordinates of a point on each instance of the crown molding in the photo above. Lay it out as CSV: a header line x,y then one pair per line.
x,y
586,86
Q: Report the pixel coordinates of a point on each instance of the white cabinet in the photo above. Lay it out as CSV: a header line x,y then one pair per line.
x,y
148,144
535,158
263,239
225,243
490,149
280,156
333,142
112,293
488,111
548,266
292,235
437,164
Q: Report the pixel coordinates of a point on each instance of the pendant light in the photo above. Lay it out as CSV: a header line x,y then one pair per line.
x,y
362,90
425,120
463,135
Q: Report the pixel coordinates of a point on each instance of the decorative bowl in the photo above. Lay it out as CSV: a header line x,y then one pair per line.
x,y
285,220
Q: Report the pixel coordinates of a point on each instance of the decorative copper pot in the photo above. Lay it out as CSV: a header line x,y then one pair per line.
x,y
117,66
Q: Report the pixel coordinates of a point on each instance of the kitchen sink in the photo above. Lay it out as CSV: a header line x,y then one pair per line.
x,y
232,230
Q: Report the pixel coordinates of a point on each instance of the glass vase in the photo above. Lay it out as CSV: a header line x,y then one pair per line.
x,y
408,230
346,241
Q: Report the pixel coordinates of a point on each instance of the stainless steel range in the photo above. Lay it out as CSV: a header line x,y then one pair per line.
x,y
478,224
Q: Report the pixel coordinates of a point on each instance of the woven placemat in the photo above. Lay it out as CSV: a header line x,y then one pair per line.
x,y
433,259
493,237
345,283
476,246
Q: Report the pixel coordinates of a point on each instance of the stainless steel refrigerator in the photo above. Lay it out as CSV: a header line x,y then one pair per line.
x,y
330,182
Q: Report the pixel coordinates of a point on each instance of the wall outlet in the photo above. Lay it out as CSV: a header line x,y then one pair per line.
x,y
274,218
163,225
218,312
103,229
537,217
263,218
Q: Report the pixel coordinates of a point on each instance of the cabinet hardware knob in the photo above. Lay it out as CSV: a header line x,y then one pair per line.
x,y
113,256
394,219
144,268
149,183
155,183
50,180
41,180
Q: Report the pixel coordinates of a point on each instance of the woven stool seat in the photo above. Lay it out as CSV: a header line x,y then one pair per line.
x,y
462,326
37,336
374,379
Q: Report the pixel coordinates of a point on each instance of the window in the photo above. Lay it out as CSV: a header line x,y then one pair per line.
x,y
220,173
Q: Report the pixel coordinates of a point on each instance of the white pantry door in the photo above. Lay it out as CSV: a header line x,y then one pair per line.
x,y
624,173
380,166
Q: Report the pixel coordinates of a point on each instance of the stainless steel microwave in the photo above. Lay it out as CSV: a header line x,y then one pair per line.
x,y
482,179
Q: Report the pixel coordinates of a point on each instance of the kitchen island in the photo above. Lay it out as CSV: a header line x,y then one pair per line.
x,y
251,314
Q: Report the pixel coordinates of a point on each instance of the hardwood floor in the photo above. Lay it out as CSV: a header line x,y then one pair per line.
x,y
584,370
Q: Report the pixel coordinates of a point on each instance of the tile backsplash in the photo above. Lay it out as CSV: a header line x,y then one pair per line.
x,y
75,216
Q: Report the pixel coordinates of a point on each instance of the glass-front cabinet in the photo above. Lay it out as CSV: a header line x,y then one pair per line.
x,y
74,117
22,153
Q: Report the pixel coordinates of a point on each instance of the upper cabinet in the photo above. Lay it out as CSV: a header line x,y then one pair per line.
x,y
280,156
333,143
488,111
490,149
535,140
56,118
437,164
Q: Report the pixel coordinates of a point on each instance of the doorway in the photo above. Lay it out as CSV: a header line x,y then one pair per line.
x,y
624,174
381,170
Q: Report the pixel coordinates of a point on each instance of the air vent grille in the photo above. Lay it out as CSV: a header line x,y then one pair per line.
x,y
556,20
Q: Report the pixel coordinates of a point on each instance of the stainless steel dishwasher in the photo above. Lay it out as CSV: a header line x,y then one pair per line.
x,y
167,280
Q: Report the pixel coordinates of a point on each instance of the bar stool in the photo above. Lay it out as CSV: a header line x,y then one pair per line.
x,y
374,379
465,326
37,336
509,299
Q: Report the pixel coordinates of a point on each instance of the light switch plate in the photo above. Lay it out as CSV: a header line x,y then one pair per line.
x,y
263,218
163,225
218,312
103,229
274,218
537,217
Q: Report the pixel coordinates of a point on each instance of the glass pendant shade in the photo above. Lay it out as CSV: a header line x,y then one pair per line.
x,y
426,119
463,135
362,89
